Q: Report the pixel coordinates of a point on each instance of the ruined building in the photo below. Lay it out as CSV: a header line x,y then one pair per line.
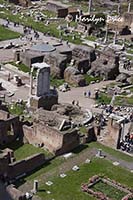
x,y
10,127
53,131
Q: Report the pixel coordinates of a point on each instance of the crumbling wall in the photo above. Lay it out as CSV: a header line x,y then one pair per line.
x,y
53,140
15,193
45,135
3,115
10,127
70,141
25,166
115,131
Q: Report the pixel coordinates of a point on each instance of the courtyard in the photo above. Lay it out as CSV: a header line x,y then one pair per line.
x,y
69,187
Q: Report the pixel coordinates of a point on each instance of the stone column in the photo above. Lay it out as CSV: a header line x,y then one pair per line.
x,y
43,81
39,83
106,35
119,6
129,7
31,80
90,6
99,153
35,186
115,36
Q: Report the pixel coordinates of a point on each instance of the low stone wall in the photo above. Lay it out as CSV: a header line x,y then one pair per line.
x,y
15,193
86,187
25,166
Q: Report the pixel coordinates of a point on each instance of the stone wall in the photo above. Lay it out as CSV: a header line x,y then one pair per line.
x,y
24,3
58,63
62,11
115,131
25,166
45,102
128,18
10,127
3,115
53,140
105,66
15,193
70,141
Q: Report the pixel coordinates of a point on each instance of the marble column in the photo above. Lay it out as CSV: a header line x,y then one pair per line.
x,y
129,7
106,35
115,36
90,6
31,80
119,7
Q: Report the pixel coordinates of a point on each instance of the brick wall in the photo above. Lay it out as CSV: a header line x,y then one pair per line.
x,y
25,166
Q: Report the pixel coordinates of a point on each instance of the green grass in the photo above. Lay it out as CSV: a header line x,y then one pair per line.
x,y
130,51
89,79
39,26
49,13
122,100
51,166
56,82
70,187
21,67
6,34
83,129
27,150
111,151
104,98
16,109
109,191
91,38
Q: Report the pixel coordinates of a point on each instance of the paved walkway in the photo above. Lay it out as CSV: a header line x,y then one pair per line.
x,y
77,94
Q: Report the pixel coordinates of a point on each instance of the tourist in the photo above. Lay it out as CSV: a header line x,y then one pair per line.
x,y
89,94
77,104
73,102
85,94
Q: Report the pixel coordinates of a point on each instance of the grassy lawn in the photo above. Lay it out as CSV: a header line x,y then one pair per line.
x,y
91,38
104,98
22,151
39,26
6,34
89,78
111,151
21,67
122,100
56,82
28,150
70,187
83,129
109,191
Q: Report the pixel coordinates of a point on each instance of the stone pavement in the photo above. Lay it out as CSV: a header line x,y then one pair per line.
x,y
77,94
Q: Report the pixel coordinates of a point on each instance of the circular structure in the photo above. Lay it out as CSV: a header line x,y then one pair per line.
x,y
43,48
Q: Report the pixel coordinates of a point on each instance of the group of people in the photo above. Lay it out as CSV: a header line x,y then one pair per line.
x,y
127,65
76,103
127,143
87,94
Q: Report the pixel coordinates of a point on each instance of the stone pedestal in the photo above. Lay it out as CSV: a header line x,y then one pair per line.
x,y
45,102
35,186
